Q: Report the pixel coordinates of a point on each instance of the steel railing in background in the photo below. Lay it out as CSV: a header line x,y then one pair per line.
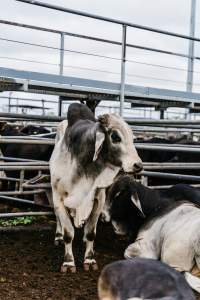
x,y
123,44
124,25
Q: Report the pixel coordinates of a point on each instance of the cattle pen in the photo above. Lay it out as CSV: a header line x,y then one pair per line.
x,y
111,66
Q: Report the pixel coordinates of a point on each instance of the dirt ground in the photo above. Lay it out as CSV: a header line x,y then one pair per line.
x,y
30,265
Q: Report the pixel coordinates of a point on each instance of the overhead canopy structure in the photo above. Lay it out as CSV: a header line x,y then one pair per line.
x,y
87,89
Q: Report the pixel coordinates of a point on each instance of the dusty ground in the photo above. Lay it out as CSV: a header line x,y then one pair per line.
x,y
30,263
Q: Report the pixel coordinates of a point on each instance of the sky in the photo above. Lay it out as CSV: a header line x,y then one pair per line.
x,y
171,15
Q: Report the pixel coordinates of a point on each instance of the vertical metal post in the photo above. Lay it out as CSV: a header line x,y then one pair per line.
x,y
191,47
21,181
123,70
9,101
17,108
162,113
43,107
62,46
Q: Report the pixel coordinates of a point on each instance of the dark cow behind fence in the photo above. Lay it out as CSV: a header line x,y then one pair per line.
x,y
25,151
34,130
142,279
88,154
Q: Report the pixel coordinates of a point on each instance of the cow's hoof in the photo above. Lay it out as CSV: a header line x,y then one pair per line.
x,y
90,264
68,269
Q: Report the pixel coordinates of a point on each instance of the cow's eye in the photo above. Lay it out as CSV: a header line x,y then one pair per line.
x,y
115,137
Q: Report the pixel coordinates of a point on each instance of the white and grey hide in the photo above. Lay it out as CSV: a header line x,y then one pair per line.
x,y
88,155
174,238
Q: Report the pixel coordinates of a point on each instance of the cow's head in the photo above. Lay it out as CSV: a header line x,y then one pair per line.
x,y
123,206
119,149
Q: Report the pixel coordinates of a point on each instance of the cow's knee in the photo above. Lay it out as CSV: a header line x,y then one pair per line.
x,y
90,236
67,236
132,250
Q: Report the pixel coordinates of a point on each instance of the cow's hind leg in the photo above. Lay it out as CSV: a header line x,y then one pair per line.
x,y
90,231
66,229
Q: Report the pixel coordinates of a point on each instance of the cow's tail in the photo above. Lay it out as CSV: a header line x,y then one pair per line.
x,y
193,281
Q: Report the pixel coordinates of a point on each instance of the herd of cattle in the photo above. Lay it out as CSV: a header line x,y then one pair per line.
x,y
92,166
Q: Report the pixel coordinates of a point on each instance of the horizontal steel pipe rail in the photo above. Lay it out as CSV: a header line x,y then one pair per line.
x,y
167,166
25,168
167,148
164,167
9,199
170,145
130,121
24,164
93,38
106,19
160,187
25,137
172,176
9,179
162,129
6,158
27,141
27,213
32,117
10,193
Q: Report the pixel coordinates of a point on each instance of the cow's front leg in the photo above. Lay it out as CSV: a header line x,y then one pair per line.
x,y
66,230
59,236
90,231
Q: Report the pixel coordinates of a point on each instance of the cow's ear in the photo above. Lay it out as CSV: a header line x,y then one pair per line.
x,y
100,137
136,201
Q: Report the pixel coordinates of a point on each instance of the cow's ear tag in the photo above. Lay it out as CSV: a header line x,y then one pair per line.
x,y
100,137
136,201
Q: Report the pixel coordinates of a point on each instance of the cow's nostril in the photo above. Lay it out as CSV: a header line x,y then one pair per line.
x,y
138,167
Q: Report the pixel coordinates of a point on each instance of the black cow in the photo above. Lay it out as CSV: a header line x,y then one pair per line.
x,y
129,204
141,279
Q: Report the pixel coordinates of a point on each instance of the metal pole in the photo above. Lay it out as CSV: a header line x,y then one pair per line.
x,y
43,107
123,64
162,114
9,101
27,213
191,47
62,46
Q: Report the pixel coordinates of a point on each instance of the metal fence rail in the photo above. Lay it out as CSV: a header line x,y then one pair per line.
x,y
130,121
